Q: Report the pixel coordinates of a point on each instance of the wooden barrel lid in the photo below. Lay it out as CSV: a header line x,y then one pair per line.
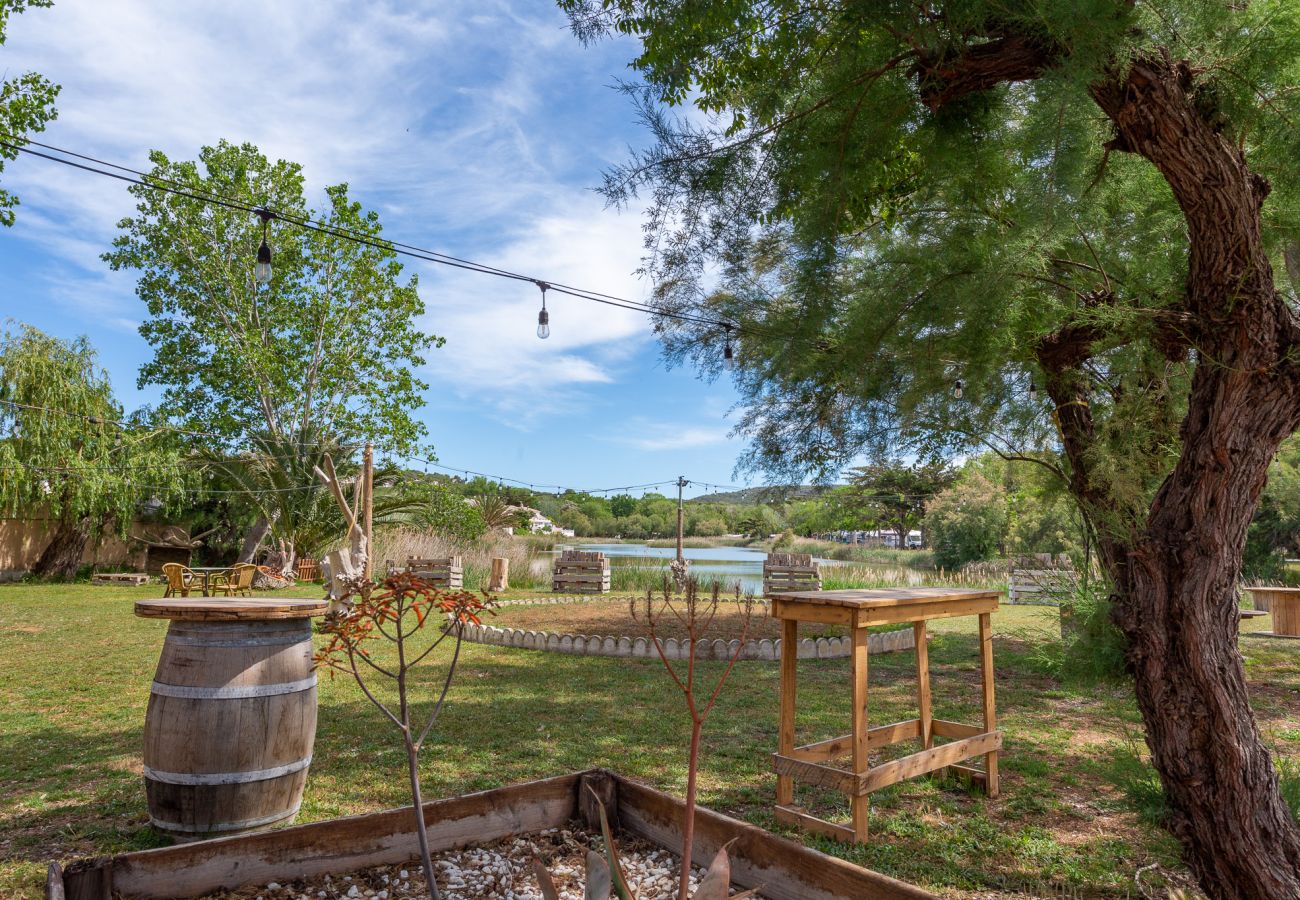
x,y
242,610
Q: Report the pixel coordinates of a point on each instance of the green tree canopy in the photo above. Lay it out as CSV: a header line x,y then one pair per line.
x,y
67,451
330,345
946,226
26,105
896,493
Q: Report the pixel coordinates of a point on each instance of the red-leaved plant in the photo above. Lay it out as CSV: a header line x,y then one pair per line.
x,y
398,610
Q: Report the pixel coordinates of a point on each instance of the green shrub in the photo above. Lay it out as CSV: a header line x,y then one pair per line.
x,y
1091,649
966,522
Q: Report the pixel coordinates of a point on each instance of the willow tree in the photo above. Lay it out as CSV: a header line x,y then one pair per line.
x,y
67,455
1033,224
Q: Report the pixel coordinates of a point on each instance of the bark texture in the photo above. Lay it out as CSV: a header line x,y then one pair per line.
x,y
62,556
1176,565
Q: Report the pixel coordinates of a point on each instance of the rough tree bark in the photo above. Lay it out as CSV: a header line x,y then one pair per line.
x,y
62,556
253,539
1176,569
1177,594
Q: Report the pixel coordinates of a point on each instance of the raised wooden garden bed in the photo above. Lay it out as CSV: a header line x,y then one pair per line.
x,y
785,870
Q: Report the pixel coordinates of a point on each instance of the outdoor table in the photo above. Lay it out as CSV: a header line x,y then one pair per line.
x,y
1284,604
207,572
231,721
859,610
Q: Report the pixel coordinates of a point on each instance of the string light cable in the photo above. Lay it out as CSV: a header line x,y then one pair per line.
x,y
129,175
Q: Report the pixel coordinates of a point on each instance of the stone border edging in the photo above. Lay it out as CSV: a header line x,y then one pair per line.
x,y
765,649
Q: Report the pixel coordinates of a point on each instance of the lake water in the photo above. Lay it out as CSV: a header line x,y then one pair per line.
x,y
729,564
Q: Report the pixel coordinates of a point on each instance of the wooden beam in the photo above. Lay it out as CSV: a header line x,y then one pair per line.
x,y
813,773
802,819
334,847
989,704
783,869
945,729
861,759
923,684
880,736
54,883
925,761
785,726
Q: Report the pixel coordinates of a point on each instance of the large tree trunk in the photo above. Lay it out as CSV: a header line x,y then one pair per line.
x,y
1177,590
253,539
62,557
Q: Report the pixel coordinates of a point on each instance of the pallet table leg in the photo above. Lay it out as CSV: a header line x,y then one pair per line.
x,y
990,708
923,685
785,727
861,747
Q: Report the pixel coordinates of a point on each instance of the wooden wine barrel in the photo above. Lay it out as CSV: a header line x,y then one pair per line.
x,y
232,714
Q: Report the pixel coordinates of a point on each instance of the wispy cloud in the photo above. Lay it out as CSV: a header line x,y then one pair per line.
x,y
654,436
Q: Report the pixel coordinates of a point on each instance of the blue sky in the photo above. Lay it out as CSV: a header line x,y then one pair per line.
x,y
476,128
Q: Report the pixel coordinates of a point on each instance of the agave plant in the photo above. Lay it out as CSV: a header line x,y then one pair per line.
x,y
606,879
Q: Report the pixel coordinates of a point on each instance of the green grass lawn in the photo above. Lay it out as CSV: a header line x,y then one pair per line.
x,y
1077,811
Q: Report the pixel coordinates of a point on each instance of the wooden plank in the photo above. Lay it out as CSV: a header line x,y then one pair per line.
x,y
789,687
880,736
923,685
861,760
944,609
976,775
828,615
945,729
54,883
814,773
784,870
333,847
877,598
925,761
230,610
797,817
989,701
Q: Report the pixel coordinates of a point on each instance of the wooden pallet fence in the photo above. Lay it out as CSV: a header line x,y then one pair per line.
x,y
1047,586
783,572
581,572
447,573
784,869
307,569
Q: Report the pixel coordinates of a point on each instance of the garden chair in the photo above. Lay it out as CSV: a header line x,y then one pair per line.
x,y
244,573
180,580
223,583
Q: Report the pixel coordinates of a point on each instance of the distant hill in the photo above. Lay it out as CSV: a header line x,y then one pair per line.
x,y
763,495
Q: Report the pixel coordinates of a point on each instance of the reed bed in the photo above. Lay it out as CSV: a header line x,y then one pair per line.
x,y
528,568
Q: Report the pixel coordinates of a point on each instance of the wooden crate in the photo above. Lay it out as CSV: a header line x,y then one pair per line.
x,y
784,572
581,572
446,573
307,570
1041,585
784,869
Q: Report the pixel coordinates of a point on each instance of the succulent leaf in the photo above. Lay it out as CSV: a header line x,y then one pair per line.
x,y
544,881
599,883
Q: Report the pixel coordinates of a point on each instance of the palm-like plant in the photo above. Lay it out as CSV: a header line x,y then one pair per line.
x,y
497,512
278,476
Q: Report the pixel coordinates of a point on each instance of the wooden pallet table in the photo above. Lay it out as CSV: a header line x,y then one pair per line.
x,y
1284,604
859,610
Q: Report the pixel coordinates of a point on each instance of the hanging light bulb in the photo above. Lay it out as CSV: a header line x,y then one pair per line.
x,y
956,389
543,317
262,271
728,354
1033,392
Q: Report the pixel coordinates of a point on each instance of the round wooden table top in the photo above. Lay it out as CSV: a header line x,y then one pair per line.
x,y
241,610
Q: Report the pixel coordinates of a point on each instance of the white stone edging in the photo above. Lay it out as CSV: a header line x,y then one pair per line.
x,y
766,649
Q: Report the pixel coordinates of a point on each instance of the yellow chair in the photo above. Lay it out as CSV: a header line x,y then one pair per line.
x,y
244,573
180,580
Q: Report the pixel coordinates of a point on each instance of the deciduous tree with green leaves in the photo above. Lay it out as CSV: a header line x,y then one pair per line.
x,y
66,452
1074,211
329,347
897,492
26,105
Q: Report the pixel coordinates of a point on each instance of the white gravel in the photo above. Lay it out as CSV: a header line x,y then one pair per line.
x,y
502,871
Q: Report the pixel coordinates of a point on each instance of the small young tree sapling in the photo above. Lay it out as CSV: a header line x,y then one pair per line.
x,y
398,610
696,616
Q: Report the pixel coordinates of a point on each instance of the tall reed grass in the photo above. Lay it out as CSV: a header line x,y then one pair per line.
x,y
876,576
528,569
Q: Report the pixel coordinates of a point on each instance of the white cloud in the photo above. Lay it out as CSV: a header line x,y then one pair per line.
x,y
669,436
435,113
